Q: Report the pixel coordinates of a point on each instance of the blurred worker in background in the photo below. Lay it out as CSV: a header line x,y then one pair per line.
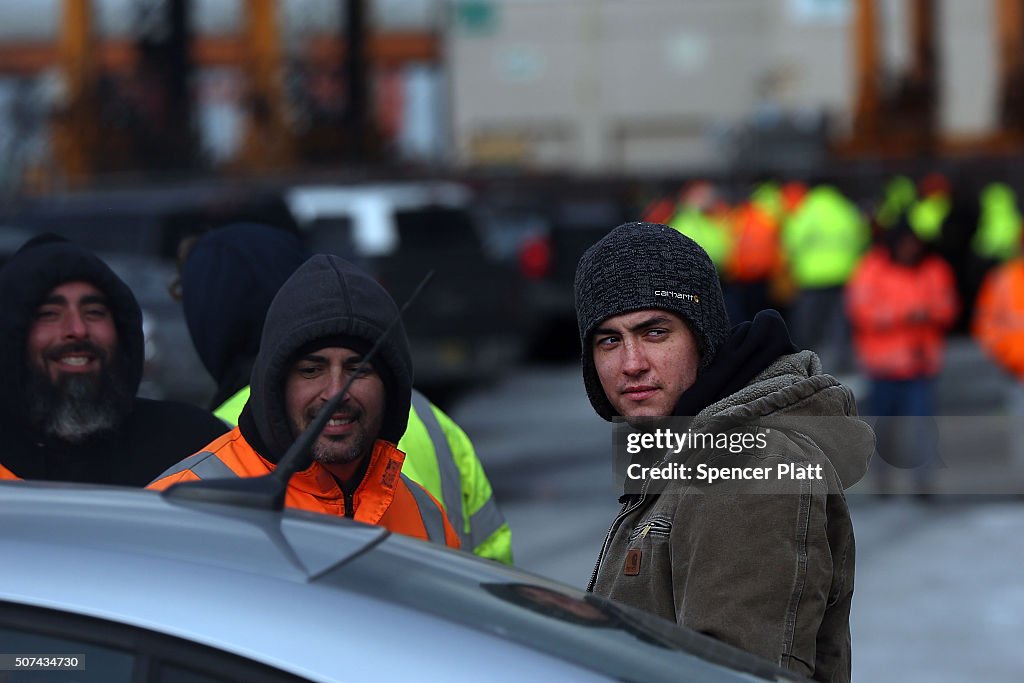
x,y
823,241
997,238
898,196
319,328
228,277
998,327
74,360
702,216
902,301
755,256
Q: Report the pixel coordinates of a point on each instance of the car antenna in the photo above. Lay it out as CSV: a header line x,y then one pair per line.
x,y
268,491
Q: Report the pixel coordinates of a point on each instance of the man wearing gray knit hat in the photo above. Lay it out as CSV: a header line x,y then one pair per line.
x,y
770,573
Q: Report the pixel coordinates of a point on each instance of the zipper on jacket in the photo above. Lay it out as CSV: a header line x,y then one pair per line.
x,y
626,509
350,510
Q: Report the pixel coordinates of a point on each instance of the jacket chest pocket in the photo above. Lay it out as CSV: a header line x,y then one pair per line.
x,y
647,565
656,528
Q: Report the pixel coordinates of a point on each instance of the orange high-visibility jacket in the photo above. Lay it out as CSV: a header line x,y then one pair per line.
x,y
756,254
900,314
7,474
384,497
998,323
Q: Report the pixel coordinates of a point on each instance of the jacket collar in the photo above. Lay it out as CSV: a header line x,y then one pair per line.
x,y
375,492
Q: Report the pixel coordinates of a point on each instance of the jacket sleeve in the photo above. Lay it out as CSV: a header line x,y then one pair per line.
x,y
489,533
758,572
451,536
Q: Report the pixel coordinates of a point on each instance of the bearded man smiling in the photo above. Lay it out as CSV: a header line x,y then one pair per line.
x,y
71,332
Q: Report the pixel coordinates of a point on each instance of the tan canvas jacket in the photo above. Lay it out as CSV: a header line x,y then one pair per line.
x,y
767,566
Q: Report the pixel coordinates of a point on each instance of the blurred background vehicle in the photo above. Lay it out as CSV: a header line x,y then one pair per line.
x,y
469,325
544,233
148,587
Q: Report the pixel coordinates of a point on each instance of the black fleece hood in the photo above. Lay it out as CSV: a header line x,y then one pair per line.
x,y
228,281
40,265
327,297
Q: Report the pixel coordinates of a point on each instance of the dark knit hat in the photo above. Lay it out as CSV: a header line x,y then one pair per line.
x,y
647,265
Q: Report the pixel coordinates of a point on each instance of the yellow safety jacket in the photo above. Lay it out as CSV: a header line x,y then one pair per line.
x,y
712,235
441,459
824,239
999,227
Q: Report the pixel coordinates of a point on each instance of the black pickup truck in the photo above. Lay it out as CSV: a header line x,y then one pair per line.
x,y
469,325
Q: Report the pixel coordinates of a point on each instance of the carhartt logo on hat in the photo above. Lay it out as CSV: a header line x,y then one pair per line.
x,y
676,295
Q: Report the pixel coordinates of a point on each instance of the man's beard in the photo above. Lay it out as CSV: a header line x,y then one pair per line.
x,y
337,453
78,406
352,448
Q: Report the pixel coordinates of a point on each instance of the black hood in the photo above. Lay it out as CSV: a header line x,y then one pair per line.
x,y
327,297
40,265
750,348
228,281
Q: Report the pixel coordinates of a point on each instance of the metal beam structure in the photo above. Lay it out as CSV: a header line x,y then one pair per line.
x,y
904,122
357,64
75,118
1010,32
868,100
268,142
163,43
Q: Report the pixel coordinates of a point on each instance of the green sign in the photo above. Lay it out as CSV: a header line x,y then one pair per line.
x,y
476,17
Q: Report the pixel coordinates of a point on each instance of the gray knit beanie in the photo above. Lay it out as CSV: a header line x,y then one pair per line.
x,y
647,265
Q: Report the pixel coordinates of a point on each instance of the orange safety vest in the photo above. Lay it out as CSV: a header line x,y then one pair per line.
x,y
756,254
385,497
900,315
7,474
998,323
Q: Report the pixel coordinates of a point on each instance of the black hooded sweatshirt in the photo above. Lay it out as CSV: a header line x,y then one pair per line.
x,y
326,302
152,437
228,282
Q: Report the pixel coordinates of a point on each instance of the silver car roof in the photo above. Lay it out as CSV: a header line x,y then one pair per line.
x,y
323,598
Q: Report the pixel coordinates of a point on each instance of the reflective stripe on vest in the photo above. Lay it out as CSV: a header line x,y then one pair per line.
x,y
484,522
204,464
451,478
430,514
